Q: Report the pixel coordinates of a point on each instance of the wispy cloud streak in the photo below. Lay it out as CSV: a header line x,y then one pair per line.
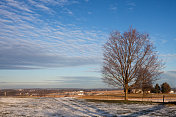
x,y
30,41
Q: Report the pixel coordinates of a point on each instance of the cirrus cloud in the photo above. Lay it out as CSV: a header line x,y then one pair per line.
x,y
30,41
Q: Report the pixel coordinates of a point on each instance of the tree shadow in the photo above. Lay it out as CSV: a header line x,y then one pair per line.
x,y
84,110
92,110
171,102
145,112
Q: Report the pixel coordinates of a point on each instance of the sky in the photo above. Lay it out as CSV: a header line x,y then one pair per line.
x,y
58,43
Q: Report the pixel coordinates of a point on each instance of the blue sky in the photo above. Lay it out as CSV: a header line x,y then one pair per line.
x,y
58,43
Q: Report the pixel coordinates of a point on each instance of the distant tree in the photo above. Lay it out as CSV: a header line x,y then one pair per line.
x,y
165,88
145,79
124,57
153,90
157,88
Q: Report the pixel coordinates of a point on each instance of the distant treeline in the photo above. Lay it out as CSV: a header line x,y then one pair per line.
x,y
43,92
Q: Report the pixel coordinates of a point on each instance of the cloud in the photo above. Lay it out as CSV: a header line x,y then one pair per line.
x,y
60,82
43,7
113,8
29,41
163,41
23,82
168,57
19,5
169,77
131,5
66,10
130,8
14,85
89,13
95,70
69,79
61,3
27,55
79,82
169,60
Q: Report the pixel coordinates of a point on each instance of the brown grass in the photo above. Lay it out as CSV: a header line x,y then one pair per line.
x,y
137,97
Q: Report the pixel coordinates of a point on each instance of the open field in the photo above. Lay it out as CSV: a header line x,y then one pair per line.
x,y
134,97
71,107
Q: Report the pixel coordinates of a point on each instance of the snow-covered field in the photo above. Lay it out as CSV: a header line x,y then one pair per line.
x,y
71,107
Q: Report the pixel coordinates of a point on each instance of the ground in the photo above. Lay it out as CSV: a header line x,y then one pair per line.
x,y
71,107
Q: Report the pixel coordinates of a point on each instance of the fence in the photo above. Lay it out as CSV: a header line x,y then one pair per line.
x,y
136,97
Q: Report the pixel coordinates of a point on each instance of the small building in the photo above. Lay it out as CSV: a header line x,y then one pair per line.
x,y
171,92
137,91
81,93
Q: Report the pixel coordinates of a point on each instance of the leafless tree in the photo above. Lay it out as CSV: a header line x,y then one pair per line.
x,y
148,74
127,57
144,81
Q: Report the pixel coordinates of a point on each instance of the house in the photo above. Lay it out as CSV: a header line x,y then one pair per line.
x,y
81,93
171,92
137,91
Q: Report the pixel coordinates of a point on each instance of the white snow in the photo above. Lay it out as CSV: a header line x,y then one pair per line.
x,y
71,107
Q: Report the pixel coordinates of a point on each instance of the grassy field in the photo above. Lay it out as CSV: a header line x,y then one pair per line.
x,y
134,97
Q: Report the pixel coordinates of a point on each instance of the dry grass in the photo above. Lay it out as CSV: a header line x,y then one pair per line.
x,y
136,97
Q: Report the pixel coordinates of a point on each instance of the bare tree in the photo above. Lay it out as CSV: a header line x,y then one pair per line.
x,y
124,57
144,81
148,74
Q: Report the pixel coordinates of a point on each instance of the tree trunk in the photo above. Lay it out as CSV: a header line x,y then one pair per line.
x,y
126,91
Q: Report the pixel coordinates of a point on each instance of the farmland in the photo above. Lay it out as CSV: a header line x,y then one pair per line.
x,y
134,97
67,106
76,102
